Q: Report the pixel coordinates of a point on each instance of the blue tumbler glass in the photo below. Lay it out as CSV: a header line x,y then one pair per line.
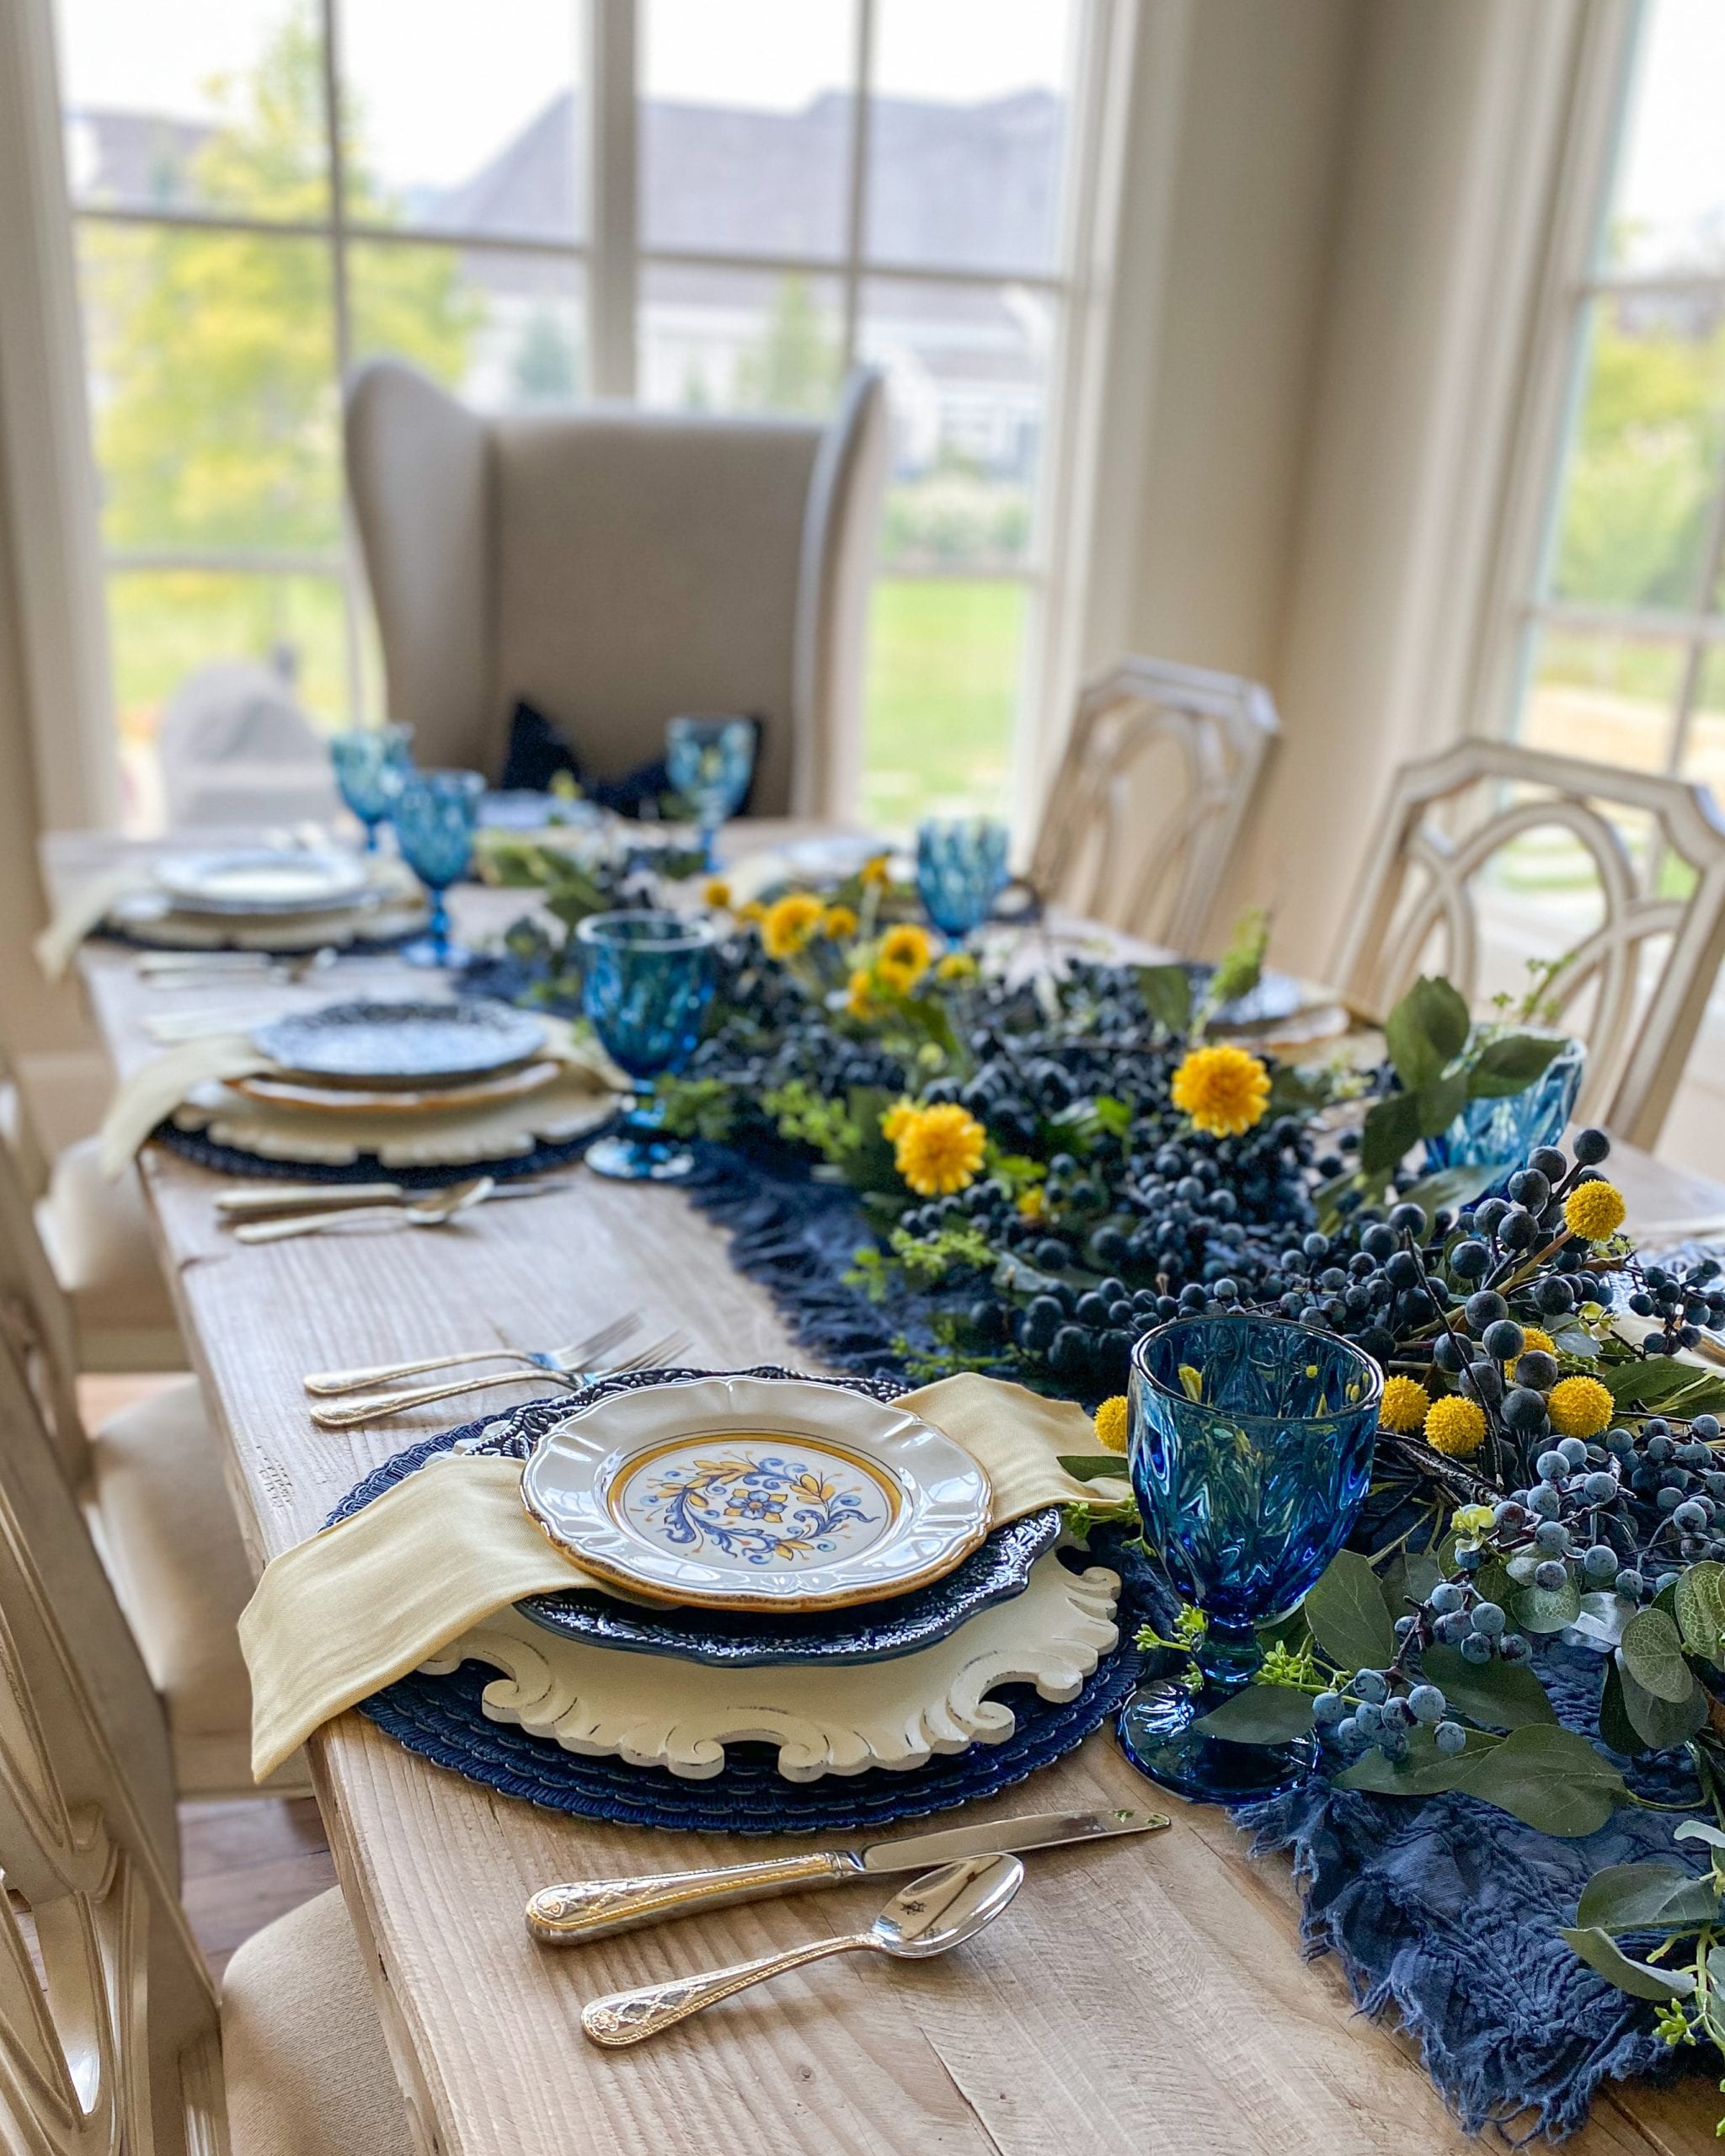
x,y
646,981
371,765
1251,1446
961,870
710,762
436,815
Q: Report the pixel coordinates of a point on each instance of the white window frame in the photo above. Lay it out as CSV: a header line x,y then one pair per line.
x,y
612,255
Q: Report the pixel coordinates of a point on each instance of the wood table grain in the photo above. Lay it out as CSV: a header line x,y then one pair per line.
x,y
1148,1999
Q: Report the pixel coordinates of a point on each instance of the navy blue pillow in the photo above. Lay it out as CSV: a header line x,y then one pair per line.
x,y
538,751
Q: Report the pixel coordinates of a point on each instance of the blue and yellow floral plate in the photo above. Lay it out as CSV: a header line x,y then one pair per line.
x,y
749,1494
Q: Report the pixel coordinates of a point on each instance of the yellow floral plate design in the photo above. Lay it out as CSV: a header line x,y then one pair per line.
x,y
750,1493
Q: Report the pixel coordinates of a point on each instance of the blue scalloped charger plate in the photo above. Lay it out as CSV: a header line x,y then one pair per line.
x,y
443,1718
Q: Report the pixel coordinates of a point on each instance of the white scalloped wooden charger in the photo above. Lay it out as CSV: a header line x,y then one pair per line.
x,y
657,1712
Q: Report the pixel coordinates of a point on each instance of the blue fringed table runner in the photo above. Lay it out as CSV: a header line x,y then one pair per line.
x,y
1442,1910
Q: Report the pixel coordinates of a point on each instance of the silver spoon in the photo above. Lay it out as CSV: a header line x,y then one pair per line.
x,y
424,1213
941,1909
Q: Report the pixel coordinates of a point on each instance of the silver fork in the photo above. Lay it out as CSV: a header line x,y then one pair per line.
x,y
378,1407
327,1384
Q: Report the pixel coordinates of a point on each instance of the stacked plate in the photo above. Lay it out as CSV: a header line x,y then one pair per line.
x,y
255,897
802,1615
398,1059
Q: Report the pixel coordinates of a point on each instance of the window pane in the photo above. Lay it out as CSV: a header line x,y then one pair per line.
x,y
164,627
212,370
745,125
724,340
967,129
464,117
1643,464
1669,207
1610,698
943,669
196,104
966,369
1704,749
505,331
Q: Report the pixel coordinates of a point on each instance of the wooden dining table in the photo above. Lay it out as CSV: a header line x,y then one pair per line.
x,y
1146,1996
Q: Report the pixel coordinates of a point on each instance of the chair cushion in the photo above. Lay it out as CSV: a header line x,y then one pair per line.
x,y
171,1547
302,2049
98,1241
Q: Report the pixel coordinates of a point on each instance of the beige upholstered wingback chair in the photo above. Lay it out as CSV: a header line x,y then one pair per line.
x,y
613,568
1159,773
120,2043
1489,844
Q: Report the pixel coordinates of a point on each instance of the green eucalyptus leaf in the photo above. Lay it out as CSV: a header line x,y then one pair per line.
x,y
1441,1100
1660,1723
1453,1188
1501,1695
1699,1604
1428,1028
1646,1897
1600,1952
1661,1381
1260,1713
1618,1731
1092,1467
1390,1128
1652,1655
1167,996
1511,1064
1425,1772
1549,1778
1350,1618
1546,1608
1410,1575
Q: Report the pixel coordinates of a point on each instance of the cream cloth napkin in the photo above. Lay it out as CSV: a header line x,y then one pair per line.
x,y
360,1604
157,1088
84,910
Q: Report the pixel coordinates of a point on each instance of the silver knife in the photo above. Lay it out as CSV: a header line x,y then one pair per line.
x,y
594,1909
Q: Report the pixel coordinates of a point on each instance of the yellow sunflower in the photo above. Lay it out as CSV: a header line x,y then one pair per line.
x,y
1224,1090
790,923
907,953
859,1001
718,894
838,922
956,965
875,872
1455,1426
897,1120
939,1150
1595,1211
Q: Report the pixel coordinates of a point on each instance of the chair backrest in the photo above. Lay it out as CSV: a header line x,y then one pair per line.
x,y
114,2045
1491,848
37,1326
614,568
1159,772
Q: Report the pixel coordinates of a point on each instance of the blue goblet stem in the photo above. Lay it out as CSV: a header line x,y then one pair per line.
x,y
370,845
437,928
1229,1658
709,846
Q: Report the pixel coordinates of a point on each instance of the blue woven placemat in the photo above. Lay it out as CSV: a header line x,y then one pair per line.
x,y
443,1718
231,1160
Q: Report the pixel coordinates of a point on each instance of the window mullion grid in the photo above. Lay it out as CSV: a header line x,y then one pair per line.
x,y
1712,559
857,192
351,630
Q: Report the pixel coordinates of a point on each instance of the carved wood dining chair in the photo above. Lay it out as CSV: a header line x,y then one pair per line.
x,y
1636,985
1158,775
111,2037
149,1481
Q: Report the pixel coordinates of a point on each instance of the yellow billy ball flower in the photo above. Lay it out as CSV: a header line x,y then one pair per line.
x,y
718,894
1595,1211
1455,1426
1404,1405
1224,1090
1031,1204
907,953
790,923
1532,1335
838,922
939,1150
875,872
897,1120
1110,1420
1579,1407
956,965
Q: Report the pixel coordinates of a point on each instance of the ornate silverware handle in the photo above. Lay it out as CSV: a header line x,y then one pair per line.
x,y
327,1383
594,1909
628,2017
375,1406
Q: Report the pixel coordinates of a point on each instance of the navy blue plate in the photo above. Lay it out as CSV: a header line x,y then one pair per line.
x,y
443,1718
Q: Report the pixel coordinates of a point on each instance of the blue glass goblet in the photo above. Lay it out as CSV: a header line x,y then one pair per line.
x,y
436,814
710,762
1251,1445
370,763
646,980
961,870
